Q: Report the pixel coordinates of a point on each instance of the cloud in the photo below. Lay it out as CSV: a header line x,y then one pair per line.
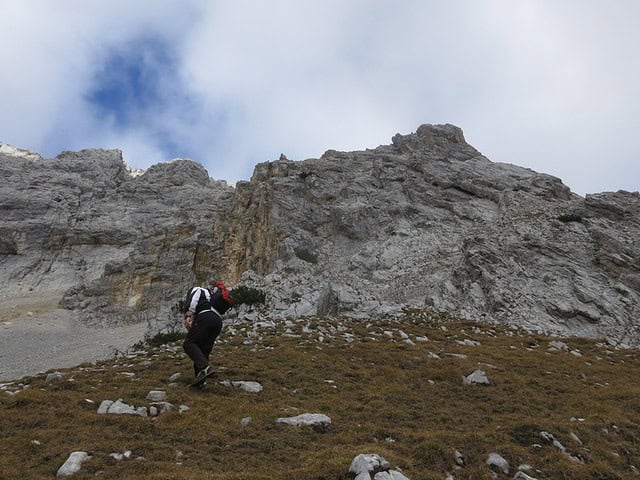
x,y
547,85
54,53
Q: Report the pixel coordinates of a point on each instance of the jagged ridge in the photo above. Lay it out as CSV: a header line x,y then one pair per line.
x,y
425,221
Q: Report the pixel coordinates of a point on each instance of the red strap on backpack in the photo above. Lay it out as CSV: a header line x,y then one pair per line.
x,y
225,292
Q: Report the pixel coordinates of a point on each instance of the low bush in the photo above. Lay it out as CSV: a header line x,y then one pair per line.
x,y
243,295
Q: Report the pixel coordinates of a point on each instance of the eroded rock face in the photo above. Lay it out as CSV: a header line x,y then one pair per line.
x,y
424,222
429,221
112,246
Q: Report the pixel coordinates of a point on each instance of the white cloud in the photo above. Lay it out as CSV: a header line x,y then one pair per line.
x,y
549,85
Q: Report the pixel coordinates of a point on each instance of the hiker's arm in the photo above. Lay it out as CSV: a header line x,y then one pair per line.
x,y
188,316
188,320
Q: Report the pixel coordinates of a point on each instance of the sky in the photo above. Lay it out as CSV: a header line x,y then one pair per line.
x,y
548,85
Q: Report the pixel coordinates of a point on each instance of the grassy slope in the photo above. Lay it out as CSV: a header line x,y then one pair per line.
x,y
388,398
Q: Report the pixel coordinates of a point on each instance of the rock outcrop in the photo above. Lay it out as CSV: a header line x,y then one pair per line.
x,y
430,222
427,221
83,231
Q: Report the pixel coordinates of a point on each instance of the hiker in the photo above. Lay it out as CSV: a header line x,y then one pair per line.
x,y
204,309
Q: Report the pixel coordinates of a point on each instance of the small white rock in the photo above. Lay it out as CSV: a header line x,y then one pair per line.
x,y
54,376
251,387
156,395
72,464
313,419
478,377
498,462
367,463
523,476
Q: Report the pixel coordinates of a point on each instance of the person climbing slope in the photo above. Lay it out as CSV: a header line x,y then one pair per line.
x,y
203,313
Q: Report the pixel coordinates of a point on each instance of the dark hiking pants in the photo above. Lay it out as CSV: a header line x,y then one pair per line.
x,y
200,339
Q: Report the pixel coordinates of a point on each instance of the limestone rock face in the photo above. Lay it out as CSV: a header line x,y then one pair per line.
x,y
113,247
427,221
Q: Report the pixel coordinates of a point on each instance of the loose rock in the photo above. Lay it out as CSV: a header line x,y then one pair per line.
x,y
120,408
72,464
478,377
156,395
251,387
54,376
313,419
497,462
365,465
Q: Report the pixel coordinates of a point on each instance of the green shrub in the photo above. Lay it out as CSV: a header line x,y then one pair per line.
x,y
247,295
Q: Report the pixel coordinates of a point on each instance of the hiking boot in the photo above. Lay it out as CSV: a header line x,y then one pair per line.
x,y
202,376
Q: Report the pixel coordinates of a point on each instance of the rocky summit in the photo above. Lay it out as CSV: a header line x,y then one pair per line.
x,y
425,222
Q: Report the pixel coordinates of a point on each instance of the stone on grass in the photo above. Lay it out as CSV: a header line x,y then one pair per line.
x,y
497,462
72,464
478,378
396,475
461,356
174,378
575,438
312,419
156,395
245,421
121,456
251,387
120,408
556,443
157,408
523,476
54,376
104,406
368,463
553,440
558,345
163,407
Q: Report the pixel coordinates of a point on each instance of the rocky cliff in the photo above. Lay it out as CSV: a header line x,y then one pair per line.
x,y
108,246
424,222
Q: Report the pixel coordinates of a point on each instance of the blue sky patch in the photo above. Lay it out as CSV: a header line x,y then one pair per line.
x,y
134,80
138,85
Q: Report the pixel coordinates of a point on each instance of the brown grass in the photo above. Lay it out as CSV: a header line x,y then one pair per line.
x,y
387,397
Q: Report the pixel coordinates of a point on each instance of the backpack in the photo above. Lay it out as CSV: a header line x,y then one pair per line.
x,y
216,296
220,297
202,303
